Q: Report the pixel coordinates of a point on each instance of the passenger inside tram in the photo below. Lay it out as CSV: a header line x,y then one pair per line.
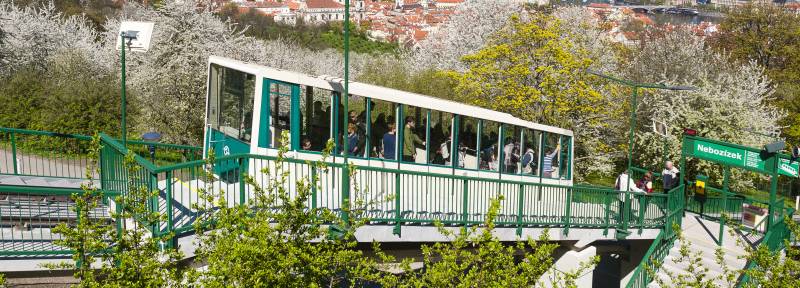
x,y
510,155
410,140
389,142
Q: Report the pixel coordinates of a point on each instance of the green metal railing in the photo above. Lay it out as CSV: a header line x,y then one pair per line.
x,y
27,219
390,196
57,155
660,247
774,240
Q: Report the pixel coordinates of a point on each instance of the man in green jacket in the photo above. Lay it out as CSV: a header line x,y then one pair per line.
x,y
410,141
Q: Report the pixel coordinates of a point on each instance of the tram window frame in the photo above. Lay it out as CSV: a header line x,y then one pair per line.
x,y
360,104
546,136
535,140
489,133
276,94
565,163
314,126
515,133
445,121
380,127
246,98
420,116
468,142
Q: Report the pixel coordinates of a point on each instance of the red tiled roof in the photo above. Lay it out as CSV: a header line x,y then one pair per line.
x,y
312,4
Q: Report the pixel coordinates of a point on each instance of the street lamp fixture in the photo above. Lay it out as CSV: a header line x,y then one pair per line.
x,y
635,87
134,36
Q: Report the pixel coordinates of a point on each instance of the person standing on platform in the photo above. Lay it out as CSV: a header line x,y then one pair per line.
x,y
670,176
389,141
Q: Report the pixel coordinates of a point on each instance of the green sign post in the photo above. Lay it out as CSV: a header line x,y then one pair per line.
x,y
748,158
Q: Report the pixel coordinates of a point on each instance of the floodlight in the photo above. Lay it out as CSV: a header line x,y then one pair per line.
x,y
775,147
137,35
796,152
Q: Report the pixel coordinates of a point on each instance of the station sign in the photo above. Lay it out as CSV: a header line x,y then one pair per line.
x,y
789,168
729,155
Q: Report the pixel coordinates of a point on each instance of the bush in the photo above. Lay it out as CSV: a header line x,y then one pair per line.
x,y
70,96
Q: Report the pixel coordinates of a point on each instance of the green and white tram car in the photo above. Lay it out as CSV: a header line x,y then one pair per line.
x,y
249,106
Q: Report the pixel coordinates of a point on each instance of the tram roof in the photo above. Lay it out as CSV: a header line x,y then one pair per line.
x,y
382,93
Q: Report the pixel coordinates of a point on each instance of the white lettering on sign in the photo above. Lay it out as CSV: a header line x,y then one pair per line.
x,y
718,152
226,150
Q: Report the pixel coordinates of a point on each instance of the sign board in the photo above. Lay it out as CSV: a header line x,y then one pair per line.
x,y
142,31
729,155
788,167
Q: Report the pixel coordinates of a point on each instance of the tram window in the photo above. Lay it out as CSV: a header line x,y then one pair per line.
x,y
440,138
231,102
530,156
489,141
355,134
551,157
511,149
414,126
383,130
280,100
315,114
565,157
467,143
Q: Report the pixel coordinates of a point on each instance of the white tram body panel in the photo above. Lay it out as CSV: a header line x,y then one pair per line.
x,y
237,122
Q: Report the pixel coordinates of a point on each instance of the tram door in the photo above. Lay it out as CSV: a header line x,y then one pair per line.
x,y
284,111
230,114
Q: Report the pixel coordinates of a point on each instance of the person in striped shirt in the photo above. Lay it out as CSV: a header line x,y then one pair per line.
x,y
547,164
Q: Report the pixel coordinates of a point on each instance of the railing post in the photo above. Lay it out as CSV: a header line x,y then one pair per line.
x,y
722,214
345,215
242,173
643,203
568,211
520,208
170,216
14,152
154,203
625,211
465,202
313,187
607,198
398,215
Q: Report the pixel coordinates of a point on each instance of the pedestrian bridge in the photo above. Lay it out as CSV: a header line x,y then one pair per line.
x,y
39,171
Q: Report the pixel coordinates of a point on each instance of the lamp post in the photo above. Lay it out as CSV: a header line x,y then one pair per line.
x,y
636,86
346,113
135,36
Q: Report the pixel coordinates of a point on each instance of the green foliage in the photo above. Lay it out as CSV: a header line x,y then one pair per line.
x,y
530,70
312,36
769,35
474,257
275,240
125,256
398,75
774,270
75,97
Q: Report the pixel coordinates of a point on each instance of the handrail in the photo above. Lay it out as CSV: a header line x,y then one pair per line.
x,y
645,260
86,137
118,146
665,240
